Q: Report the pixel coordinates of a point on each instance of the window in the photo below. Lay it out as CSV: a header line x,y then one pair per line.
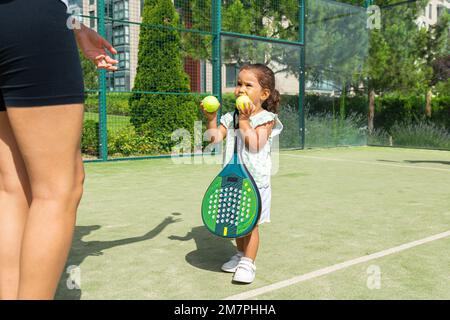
x,y
124,60
91,2
121,10
92,19
430,11
121,82
108,9
121,35
440,10
231,75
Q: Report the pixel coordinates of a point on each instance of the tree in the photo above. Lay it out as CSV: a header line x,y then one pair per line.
x,y
402,55
433,48
160,69
275,19
90,74
336,44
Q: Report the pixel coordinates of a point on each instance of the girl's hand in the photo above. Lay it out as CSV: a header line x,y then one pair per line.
x,y
209,115
247,111
93,47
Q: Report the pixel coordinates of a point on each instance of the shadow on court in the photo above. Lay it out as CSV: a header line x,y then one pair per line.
x,y
428,161
211,252
418,161
67,288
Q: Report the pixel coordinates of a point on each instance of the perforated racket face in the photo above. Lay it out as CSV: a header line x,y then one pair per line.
x,y
231,206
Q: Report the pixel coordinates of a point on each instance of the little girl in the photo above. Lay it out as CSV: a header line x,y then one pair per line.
x,y
258,124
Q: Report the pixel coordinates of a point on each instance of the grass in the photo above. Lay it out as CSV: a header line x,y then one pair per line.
x,y
139,233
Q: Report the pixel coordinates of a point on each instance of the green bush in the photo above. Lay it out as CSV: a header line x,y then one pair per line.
x,y
320,104
90,138
440,111
117,103
391,109
290,136
91,102
228,103
424,134
379,137
329,130
126,142
123,142
158,116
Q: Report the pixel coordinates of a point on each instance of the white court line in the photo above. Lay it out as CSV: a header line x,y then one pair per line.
x,y
364,162
336,267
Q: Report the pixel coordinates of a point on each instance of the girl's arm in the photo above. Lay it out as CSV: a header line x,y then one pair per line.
x,y
255,138
215,134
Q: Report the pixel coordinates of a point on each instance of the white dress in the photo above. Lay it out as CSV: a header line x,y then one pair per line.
x,y
66,2
258,163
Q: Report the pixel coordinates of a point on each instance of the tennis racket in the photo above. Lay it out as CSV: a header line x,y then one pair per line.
x,y
231,206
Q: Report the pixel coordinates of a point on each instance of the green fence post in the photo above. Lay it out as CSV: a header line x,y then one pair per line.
x,y
103,141
301,101
216,52
368,3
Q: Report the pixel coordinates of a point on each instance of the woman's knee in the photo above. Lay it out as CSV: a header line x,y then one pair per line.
x,y
80,178
13,185
66,187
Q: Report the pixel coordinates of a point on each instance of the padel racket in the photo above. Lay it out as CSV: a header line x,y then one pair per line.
x,y
231,206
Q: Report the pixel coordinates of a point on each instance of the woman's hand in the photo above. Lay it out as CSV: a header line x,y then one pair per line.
x,y
93,47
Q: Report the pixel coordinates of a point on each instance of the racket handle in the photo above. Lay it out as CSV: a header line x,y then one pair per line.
x,y
236,127
236,118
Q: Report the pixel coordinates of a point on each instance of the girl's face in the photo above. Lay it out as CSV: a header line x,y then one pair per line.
x,y
248,85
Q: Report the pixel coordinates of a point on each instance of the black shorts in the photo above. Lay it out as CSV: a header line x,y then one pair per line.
x,y
39,61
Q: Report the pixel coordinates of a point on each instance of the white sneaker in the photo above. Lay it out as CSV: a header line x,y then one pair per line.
x,y
231,265
245,271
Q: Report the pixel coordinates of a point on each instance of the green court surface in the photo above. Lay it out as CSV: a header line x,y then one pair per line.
x,y
139,232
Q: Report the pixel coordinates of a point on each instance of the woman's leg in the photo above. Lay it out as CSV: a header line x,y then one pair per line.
x,y
49,141
15,199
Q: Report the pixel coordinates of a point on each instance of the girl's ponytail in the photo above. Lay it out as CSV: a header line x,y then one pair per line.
x,y
273,102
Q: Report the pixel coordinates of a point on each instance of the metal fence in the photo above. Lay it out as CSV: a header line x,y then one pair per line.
x,y
172,53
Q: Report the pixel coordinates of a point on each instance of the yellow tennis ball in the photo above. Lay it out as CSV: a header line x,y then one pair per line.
x,y
241,101
210,104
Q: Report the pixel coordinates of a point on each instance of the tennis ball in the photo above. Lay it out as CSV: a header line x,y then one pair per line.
x,y
210,104
241,101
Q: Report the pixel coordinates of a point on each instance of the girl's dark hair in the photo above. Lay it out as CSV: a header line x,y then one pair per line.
x,y
266,79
